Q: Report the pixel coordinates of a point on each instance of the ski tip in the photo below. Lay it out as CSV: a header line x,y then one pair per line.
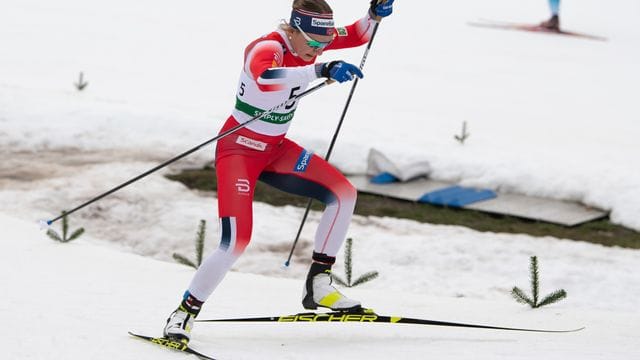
x,y
135,334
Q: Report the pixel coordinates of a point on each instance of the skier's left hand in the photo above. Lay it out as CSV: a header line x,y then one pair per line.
x,y
382,9
341,71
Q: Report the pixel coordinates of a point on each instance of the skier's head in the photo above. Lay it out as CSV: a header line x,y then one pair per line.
x,y
319,6
310,28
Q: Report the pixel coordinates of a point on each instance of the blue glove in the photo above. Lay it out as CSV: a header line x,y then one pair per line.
x,y
382,10
341,71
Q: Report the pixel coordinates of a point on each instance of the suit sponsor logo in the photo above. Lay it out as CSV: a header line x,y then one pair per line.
x,y
250,143
243,186
303,161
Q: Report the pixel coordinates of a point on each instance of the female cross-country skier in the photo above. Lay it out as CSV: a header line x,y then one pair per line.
x,y
277,67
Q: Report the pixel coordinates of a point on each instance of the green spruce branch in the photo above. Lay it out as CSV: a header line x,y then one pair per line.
x,y
202,228
65,231
521,297
348,263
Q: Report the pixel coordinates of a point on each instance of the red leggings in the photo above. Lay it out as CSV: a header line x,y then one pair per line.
x,y
245,157
289,168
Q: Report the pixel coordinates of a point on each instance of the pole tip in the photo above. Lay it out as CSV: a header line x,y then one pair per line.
x,y
44,224
285,266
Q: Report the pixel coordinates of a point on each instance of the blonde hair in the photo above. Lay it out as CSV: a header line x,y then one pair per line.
x,y
318,6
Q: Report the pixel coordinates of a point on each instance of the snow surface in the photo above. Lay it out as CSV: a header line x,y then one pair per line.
x,y
77,300
548,116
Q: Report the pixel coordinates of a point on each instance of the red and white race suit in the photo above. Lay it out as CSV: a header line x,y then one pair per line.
x,y
271,75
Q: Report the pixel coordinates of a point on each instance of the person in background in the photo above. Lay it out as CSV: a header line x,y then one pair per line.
x,y
554,21
277,67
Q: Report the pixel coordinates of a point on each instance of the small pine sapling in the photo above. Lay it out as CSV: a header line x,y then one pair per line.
x,y
65,231
81,84
521,297
348,262
463,135
202,228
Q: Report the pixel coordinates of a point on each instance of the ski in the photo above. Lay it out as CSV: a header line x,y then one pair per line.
x,y
172,344
532,28
368,316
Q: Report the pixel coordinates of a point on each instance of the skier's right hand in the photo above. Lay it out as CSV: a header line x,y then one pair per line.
x,y
341,71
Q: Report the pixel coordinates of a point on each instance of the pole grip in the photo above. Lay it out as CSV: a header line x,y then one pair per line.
x,y
379,18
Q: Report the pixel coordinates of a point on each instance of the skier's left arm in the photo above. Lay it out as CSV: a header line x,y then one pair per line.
x,y
360,32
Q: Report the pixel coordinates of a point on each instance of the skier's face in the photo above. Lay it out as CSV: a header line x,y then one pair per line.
x,y
308,46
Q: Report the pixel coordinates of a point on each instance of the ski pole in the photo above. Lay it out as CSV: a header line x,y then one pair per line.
x,y
335,135
46,223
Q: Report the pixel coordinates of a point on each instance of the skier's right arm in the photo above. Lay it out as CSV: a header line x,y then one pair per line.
x,y
263,63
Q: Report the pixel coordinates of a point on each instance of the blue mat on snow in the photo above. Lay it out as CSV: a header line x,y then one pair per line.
x,y
457,196
384,178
